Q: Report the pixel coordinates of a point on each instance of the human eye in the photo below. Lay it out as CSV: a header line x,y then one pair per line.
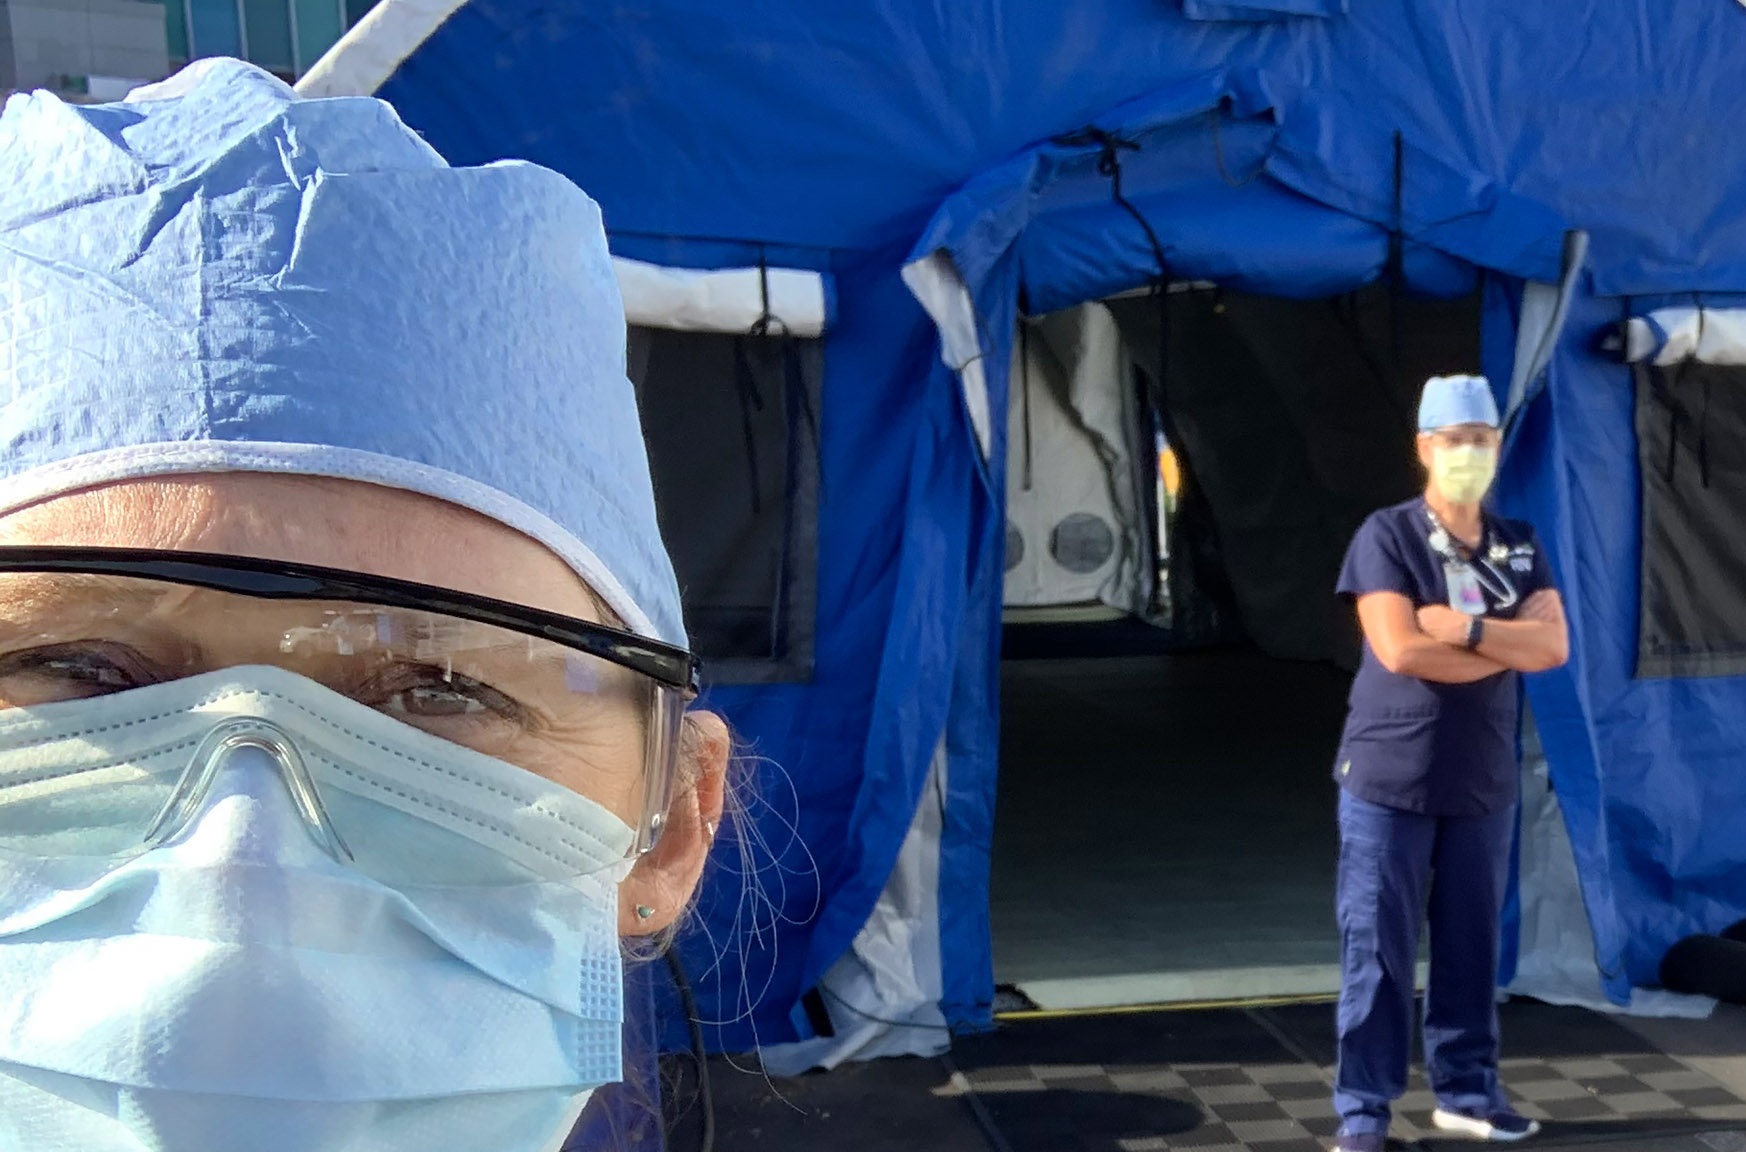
x,y
444,702
74,670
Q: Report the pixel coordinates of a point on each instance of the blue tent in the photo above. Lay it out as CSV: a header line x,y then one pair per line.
x,y
938,163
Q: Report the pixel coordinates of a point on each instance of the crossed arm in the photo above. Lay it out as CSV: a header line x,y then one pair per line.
x,y
1430,643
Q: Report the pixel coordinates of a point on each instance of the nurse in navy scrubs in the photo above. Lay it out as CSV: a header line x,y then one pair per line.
x,y
1455,604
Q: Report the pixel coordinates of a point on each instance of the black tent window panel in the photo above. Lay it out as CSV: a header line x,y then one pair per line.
x,y
1691,444
732,425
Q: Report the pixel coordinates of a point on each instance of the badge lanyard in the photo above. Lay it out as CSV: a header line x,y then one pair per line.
x,y
1468,577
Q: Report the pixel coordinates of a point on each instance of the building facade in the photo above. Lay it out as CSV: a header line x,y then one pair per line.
x,y
97,50
82,49
282,36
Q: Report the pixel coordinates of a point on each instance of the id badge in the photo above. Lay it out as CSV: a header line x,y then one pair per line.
x,y
1465,594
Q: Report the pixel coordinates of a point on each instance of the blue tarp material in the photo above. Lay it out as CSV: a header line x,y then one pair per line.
x,y
1267,159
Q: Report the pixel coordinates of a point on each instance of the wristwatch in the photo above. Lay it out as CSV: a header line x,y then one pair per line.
x,y
1475,633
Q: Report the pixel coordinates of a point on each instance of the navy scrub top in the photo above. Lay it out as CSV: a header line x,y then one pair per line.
x,y
1436,749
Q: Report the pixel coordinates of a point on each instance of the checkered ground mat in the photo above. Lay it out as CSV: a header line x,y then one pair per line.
x,y
1588,1080
1212,1081
1284,1107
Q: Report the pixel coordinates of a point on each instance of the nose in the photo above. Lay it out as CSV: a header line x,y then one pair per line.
x,y
250,775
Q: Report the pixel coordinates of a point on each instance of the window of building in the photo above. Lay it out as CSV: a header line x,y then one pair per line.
x,y
267,29
214,28
320,24
285,37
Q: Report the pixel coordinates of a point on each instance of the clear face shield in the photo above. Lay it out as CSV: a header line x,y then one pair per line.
x,y
129,681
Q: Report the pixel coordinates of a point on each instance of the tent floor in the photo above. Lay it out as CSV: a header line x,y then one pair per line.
x,y
1228,1080
1164,828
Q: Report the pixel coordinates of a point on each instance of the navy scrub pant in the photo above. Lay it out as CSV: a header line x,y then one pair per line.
x,y
1389,860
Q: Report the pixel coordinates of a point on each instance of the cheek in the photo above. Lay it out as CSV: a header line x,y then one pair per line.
x,y
606,766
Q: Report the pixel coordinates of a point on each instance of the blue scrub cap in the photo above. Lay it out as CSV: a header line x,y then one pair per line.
x,y
1452,400
216,275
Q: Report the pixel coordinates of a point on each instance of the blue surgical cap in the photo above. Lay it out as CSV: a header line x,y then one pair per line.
x,y
1452,400
217,275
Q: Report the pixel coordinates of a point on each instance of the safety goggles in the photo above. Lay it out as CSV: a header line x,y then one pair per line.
x,y
1466,436
472,683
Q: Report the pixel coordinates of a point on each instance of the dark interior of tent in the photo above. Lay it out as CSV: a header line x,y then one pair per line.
x,y
1165,815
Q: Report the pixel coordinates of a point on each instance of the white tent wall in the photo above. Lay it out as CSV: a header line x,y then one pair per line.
x,y
883,995
1076,532
728,300
1555,956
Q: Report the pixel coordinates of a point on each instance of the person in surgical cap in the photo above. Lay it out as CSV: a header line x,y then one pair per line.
x,y
1455,603
345,734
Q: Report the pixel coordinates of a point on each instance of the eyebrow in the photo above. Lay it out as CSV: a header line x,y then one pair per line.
x,y
40,590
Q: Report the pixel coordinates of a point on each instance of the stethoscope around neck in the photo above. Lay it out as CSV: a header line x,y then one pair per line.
x,y
1495,581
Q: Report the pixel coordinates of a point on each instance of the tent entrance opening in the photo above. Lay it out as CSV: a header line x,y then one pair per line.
x,y
1184,474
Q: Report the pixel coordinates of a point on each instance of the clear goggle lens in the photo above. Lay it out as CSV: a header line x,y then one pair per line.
x,y
604,731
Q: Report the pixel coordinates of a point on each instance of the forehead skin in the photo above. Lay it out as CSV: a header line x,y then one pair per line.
x,y
343,524
1461,429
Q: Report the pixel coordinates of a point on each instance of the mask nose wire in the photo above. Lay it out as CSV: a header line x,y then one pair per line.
x,y
210,758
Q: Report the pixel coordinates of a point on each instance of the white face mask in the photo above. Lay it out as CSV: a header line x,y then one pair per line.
x,y
457,984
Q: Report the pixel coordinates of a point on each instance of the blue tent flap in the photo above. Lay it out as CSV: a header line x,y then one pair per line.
x,y
1259,10
1643,768
1197,162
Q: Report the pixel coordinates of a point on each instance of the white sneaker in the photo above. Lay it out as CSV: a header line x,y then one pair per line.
x,y
1501,1127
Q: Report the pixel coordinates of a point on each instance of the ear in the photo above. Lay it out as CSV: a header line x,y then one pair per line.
x,y
1425,449
666,877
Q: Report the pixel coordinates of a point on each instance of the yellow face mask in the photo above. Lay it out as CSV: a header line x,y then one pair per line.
x,y
1463,473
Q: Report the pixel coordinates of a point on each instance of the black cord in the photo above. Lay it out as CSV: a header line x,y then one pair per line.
x,y
1109,165
1703,444
1217,115
868,1016
1669,386
689,1004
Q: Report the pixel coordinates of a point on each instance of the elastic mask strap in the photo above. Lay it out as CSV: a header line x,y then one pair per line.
x,y
620,872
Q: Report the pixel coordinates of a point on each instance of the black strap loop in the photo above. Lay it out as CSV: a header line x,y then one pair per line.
x,y
751,402
1668,388
798,406
1109,164
1703,444
767,319
1217,116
